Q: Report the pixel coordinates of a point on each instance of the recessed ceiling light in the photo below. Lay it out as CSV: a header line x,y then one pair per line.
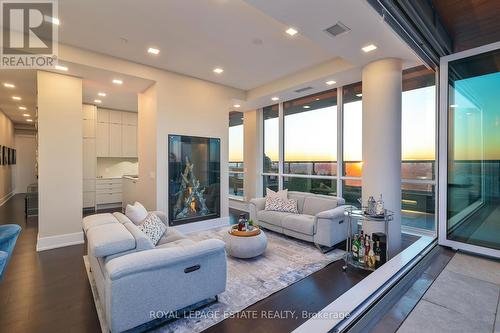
x,y
317,99
29,120
52,20
117,81
291,31
9,85
275,98
16,98
236,105
154,51
454,106
22,108
331,82
369,48
218,70
61,68
359,95
469,113
98,101
306,107
102,94
26,115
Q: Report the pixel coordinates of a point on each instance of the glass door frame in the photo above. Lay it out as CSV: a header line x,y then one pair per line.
x,y
443,153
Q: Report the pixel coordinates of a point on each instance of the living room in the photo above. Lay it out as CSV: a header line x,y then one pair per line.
x,y
248,169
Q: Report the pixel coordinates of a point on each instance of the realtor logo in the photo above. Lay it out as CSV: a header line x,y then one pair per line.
x,y
29,34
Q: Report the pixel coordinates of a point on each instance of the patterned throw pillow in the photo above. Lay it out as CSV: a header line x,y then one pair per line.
x,y
281,205
153,228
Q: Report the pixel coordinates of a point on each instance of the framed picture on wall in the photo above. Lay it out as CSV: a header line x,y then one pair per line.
x,y
14,156
4,155
9,156
1,155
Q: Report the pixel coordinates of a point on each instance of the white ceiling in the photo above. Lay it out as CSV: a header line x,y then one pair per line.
x,y
246,38
119,97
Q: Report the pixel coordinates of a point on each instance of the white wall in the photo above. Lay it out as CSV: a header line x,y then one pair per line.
x,y
25,171
6,171
178,104
60,157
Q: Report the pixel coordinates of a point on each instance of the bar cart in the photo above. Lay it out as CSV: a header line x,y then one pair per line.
x,y
356,217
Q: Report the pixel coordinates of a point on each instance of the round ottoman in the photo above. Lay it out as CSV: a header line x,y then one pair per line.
x,y
245,246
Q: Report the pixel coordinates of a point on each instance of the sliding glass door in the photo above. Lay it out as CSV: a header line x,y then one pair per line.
x,y
470,150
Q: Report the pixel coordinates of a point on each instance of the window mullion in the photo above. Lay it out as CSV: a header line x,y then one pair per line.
x,y
281,131
340,141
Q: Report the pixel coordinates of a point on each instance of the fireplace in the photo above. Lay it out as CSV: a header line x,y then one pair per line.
x,y
193,179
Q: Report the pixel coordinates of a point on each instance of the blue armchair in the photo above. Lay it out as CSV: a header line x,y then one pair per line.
x,y
8,238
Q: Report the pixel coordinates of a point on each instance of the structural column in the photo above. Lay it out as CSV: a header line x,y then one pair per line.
x,y
60,160
382,88
252,155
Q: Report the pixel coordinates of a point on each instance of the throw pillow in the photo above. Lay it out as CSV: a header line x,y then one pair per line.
x,y
153,228
283,194
279,205
136,213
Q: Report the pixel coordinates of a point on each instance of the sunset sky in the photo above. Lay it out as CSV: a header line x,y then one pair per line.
x,y
311,136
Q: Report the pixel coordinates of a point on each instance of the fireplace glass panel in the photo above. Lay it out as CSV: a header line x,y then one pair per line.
x,y
194,179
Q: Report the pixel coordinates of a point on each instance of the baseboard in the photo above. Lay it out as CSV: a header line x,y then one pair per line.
x,y
6,198
54,242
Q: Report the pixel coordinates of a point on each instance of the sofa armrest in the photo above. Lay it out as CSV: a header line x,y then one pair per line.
x,y
256,204
337,212
154,259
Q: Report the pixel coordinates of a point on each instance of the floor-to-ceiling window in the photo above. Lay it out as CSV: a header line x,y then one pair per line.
x,y
352,142
271,150
472,216
418,143
236,170
310,143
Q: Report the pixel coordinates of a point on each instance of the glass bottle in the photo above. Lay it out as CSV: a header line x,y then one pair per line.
x,y
367,248
379,207
355,248
361,250
378,253
371,255
370,209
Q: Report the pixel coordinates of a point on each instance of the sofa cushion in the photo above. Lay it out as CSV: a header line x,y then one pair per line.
x,y
178,243
299,197
283,194
272,217
153,228
97,220
299,223
316,204
121,217
136,213
281,205
171,235
108,239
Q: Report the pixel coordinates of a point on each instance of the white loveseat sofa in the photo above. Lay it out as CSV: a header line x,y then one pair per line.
x,y
320,219
134,278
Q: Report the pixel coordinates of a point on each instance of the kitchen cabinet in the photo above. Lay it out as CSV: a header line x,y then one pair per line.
x,y
116,133
108,191
89,167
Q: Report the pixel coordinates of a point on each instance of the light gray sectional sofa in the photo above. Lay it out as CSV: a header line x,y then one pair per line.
x,y
320,219
134,278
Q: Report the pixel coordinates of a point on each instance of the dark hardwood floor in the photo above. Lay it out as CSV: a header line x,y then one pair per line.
x,y
49,292
43,291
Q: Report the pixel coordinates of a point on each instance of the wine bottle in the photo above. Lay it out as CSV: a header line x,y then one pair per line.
x,y
355,248
371,255
367,248
361,250
378,252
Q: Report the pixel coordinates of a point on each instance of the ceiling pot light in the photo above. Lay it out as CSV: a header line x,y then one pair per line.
x,y
236,105
291,31
359,95
9,85
218,70
117,81
16,98
331,82
275,98
26,115
98,101
61,68
306,107
154,51
22,108
368,48
29,120
102,94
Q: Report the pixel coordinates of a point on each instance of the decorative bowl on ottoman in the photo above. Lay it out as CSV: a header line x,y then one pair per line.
x,y
245,244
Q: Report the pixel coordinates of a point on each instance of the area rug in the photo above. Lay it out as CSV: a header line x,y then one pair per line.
x,y
286,261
